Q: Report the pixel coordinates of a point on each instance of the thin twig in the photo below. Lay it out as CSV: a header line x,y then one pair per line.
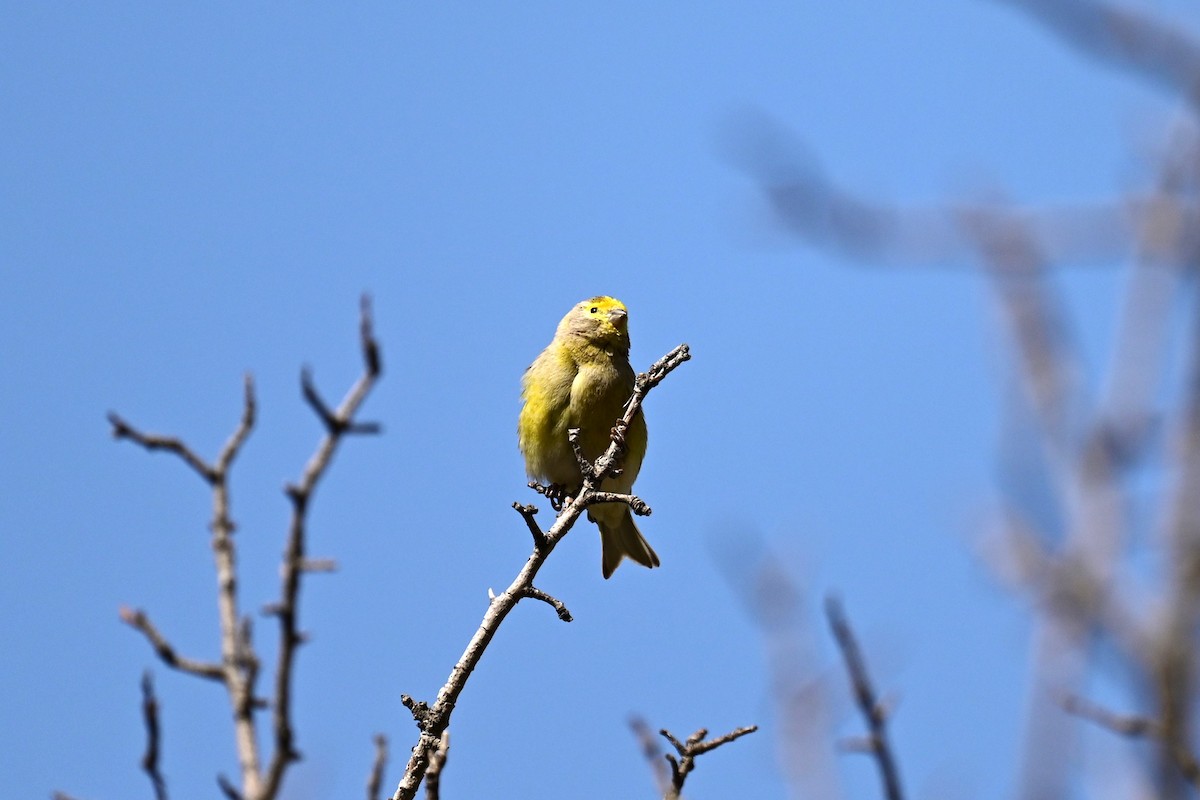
x,y
689,749
537,594
527,512
635,503
433,720
378,765
868,703
150,717
153,441
137,619
1135,727
295,563
1125,725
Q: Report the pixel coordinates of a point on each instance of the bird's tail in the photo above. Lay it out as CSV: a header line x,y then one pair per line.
x,y
619,537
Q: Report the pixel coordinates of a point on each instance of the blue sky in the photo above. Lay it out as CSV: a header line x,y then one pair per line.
x,y
191,193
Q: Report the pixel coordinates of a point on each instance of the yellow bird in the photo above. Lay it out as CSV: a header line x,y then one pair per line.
x,y
583,380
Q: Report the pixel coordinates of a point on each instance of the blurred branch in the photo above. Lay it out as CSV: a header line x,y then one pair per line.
x,y
1134,727
653,754
801,688
1125,39
433,720
689,749
873,711
1071,560
1174,664
1125,725
150,717
375,777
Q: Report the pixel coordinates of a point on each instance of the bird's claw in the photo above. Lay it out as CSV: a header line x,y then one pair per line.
x,y
618,435
556,493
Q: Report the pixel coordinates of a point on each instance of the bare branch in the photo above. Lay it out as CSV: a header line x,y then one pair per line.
x,y
375,777
1125,725
527,512
150,717
635,503
295,562
235,442
152,441
585,466
1135,727
688,750
137,619
537,594
433,720
238,666
868,703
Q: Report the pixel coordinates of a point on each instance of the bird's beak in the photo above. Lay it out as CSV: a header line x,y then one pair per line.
x,y
618,316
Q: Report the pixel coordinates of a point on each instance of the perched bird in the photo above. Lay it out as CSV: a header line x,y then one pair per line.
x,y
583,380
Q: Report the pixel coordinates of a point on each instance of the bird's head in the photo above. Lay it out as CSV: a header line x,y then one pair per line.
x,y
602,321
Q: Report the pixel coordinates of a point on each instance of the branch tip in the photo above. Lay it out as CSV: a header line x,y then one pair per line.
x,y
534,593
535,530
370,346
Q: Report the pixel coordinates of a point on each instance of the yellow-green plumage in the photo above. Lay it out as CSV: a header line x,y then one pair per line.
x,y
583,380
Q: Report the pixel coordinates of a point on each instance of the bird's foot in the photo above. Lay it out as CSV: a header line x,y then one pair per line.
x,y
618,435
556,493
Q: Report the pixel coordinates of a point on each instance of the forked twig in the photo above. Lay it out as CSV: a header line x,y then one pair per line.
x,y
693,746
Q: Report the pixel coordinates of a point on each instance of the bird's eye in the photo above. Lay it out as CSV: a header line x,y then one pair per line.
x,y
594,309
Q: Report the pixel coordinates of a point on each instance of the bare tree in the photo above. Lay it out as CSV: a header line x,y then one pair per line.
x,y
239,665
